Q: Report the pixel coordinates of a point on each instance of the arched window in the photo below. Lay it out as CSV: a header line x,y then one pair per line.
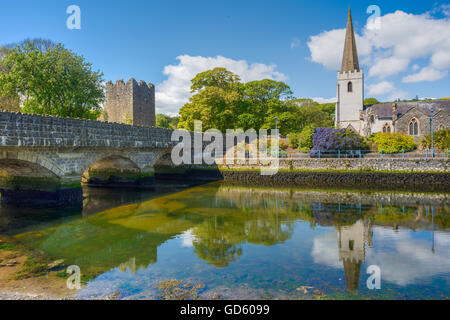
x,y
414,127
350,87
387,128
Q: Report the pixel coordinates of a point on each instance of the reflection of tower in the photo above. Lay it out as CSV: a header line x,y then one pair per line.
x,y
351,241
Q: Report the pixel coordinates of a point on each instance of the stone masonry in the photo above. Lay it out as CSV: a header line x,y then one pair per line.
x,y
67,147
130,103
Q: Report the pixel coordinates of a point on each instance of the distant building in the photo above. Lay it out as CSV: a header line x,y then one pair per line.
x,y
130,103
412,118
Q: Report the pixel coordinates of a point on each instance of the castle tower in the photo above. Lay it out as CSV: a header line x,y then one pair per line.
x,y
130,103
350,86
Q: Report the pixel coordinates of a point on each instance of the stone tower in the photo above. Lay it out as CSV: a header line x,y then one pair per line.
x,y
350,85
130,103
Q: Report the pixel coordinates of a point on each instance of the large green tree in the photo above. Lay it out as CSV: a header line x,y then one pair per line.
x,y
52,80
12,102
262,101
223,102
217,95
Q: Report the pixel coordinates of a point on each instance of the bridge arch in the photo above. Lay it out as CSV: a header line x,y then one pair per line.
x,y
25,182
36,158
110,170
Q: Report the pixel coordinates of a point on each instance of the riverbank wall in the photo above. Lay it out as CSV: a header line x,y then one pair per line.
x,y
429,175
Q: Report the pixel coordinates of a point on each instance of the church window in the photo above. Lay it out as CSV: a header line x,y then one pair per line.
x,y
350,87
387,128
414,127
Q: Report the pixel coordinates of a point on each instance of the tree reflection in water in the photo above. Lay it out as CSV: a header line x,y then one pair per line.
x,y
223,220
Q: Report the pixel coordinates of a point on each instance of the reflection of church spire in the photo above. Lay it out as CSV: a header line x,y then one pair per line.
x,y
351,242
352,270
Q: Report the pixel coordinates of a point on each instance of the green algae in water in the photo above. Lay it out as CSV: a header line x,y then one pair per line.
x,y
258,243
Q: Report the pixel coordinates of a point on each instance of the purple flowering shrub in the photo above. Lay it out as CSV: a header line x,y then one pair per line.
x,y
329,141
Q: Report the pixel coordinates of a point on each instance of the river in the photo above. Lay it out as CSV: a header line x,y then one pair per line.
x,y
247,242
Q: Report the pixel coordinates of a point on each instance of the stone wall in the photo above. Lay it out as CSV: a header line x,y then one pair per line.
x,y
130,103
22,130
441,120
119,102
435,165
144,104
432,182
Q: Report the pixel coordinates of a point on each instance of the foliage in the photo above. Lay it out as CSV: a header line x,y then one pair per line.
x,y
393,142
53,82
441,140
293,140
303,140
283,144
223,102
167,122
328,140
261,102
11,103
215,100
370,101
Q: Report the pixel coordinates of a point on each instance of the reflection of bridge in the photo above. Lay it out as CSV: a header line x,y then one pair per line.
x,y
61,149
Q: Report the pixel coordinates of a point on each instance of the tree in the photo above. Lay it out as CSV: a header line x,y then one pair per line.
x,y
52,82
11,103
167,122
263,100
223,102
393,142
215,101
441,140
371,101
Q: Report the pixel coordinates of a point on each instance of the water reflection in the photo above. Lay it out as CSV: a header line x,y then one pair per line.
x,y
254,235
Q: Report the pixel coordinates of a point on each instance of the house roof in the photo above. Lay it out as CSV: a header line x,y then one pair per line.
x,y
384,110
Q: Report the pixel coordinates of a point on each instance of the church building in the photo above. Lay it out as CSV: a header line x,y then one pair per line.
x,y
412,118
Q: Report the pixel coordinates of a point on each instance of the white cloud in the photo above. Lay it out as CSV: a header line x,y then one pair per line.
x,y
429,74
295,43
324,100
325,250
381,89
408,259
384,68
386,88
187,239
174,92
390,49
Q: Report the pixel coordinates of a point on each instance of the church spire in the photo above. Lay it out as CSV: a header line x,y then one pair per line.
x,y
350,58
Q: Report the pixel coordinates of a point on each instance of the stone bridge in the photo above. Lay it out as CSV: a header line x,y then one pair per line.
x,y
52,153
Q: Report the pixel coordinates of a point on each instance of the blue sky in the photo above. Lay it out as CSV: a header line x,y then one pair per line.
x,y
299,42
